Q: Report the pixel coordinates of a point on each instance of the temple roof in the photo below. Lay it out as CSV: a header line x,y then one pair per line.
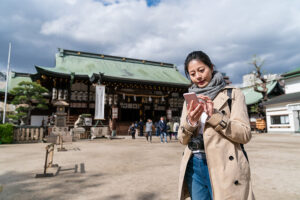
x,y
291,74
89,64
284,98
14,79
253,97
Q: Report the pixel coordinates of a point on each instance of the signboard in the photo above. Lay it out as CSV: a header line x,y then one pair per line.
x,y
99,103
114,112
169,114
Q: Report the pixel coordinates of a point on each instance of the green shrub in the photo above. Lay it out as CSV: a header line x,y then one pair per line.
x,y
6,133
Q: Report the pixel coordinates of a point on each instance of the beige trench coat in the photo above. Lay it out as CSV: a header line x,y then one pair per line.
x,y
228,167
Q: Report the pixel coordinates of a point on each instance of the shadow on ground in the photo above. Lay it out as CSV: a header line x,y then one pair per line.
x,y
68,182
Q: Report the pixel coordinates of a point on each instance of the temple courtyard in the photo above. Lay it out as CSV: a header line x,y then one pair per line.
x,y
135,169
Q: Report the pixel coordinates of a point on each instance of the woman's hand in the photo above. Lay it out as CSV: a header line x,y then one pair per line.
x,y
208,105
195,110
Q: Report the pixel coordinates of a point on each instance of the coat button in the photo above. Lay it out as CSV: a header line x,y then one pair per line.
x,y
231,158
236,182
223,112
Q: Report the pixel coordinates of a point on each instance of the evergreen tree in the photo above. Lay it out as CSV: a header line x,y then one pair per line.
x,y
27,97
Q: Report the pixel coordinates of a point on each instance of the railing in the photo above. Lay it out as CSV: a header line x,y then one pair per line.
x,y
28,134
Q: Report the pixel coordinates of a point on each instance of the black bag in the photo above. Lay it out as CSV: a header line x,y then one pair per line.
x,y
196,143
229,101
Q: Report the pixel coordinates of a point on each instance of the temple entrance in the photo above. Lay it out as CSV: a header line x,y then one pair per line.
x,y
130,115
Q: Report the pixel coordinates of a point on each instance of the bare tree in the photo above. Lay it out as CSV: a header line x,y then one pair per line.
x,y
260,87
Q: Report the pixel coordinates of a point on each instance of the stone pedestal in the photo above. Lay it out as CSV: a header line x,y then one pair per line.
x,y
56,131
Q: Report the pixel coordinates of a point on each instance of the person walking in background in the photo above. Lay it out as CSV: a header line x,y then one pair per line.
x,y
136,126
149,125
170,129
113,127
175,129
131,130
157,132
163,130
141,126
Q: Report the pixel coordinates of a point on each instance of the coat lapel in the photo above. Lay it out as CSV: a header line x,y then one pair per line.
x,y
220,100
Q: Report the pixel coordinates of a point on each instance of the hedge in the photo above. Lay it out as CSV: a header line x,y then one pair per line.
x,y
6,133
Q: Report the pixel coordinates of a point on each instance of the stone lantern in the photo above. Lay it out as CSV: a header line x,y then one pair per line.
x,y
60,127
60,120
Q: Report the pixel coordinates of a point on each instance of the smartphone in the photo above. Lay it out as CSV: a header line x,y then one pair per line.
x,y
189,97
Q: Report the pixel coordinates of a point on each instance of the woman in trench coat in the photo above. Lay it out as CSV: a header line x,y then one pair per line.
x,y
220,170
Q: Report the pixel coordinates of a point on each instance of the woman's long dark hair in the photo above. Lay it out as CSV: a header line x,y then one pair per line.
x,y
197,55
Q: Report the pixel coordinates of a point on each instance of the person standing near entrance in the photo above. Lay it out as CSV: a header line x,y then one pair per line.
x,y
170,129
175,129
149,126
113,127
157,131
214,164
141,126
131,130
163,130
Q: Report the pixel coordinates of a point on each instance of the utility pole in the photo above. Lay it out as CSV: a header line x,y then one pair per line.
x,y
6,87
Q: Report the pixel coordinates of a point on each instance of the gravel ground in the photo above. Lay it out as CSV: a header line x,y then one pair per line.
x,y
135,169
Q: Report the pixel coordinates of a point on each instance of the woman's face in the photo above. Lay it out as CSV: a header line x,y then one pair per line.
x,y
200,73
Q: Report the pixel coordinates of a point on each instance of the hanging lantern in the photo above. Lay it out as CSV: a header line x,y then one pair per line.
x,y
80,96
65,94
115,99
110,99
134,98
106,98
84,96
123,96
162,99
150,99
54,93
60,94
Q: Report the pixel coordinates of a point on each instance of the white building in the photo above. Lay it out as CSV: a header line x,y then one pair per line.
x,y
250,79
283,112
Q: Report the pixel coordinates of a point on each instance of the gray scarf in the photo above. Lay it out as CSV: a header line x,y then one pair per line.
x,y
216,84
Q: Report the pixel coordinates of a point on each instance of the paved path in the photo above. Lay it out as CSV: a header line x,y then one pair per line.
x,y
134,169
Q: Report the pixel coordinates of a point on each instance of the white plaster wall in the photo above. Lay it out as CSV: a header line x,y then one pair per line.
x,y
292,85
280,109
296,120
36,120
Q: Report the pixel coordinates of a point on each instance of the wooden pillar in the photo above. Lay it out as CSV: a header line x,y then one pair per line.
x,y
22,133
32,133
41,135
27,133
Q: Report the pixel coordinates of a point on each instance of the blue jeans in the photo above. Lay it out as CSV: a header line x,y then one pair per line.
x,y
163,134
197,178
149,134
157,132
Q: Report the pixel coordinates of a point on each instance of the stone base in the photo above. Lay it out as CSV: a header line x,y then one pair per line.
x,y
53,138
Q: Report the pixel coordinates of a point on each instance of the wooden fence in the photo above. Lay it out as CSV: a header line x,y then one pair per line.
x,y
28,134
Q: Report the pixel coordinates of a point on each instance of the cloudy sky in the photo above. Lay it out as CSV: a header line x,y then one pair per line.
x,y
229,31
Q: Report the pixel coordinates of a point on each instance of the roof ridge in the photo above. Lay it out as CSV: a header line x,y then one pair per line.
x,y
292,72
63,52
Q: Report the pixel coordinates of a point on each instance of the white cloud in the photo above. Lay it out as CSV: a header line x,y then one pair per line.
x,y
230,31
